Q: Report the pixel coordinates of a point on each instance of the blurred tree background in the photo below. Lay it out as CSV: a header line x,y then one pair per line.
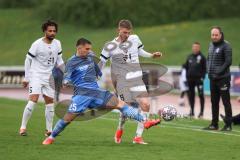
x,y
106,13
170,26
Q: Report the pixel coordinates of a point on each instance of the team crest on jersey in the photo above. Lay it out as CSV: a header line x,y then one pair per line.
x,y
199,58
82,68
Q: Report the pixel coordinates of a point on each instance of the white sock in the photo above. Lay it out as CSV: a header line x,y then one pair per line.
x,y
49,115
140,126
122,121
27,113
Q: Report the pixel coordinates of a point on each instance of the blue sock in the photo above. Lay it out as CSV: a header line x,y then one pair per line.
x,y
59,127
132,113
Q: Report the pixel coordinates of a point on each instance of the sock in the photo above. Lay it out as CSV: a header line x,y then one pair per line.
x,y
122,120
140,126
49,115
145,114
59,127
27,113
132,113
140,129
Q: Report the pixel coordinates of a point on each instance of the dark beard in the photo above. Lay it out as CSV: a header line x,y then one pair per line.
x,y
50,38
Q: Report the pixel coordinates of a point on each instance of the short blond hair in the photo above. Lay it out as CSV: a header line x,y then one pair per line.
x,y
124,23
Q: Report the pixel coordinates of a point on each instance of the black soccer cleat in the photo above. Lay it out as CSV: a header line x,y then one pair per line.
x,y
227,128
211,128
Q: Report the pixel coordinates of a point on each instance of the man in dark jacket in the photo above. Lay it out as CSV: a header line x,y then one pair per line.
x,y
219,61
196,70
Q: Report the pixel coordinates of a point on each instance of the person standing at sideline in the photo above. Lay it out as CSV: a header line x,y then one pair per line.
x,y
196,71
219,61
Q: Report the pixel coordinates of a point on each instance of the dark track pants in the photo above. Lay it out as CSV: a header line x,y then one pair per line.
x,y
191,94
220,88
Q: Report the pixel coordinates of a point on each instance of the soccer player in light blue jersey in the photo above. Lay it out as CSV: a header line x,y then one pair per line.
x,y
82,72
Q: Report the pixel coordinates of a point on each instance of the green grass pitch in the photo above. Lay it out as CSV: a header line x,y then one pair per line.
x,y
179,139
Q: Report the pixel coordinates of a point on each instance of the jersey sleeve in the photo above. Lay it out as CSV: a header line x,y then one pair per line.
x,y
138,41
59,47
59,57
98,71
68,72
32,52
105,54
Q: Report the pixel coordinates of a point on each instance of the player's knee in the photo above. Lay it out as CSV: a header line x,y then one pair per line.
x,y
69,118
113,102
145,105
34,98
48,100
121,104
67,121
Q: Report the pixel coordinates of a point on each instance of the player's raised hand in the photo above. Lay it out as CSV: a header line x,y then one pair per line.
x,y
25,84
157,54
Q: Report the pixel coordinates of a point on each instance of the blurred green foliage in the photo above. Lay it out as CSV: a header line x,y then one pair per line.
x,y
106,13
102,13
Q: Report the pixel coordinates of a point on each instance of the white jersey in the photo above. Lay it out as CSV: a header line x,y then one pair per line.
x,y
44,57
129,49
124,58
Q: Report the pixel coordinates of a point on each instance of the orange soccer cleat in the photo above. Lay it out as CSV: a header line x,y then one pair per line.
x,y
148,124
138,140
118,136
48,141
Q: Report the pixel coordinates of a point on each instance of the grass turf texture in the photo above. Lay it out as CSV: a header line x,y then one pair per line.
x,y
19,28
179,139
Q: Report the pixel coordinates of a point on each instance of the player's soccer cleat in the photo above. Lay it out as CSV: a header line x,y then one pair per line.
x,y
118,136
48,141
138,140
23,132
148,124
47,133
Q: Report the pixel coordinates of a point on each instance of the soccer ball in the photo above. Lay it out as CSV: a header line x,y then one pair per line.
x,y
168,113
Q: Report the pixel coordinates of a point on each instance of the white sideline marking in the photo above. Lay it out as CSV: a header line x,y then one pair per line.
x,y
184,127
192,126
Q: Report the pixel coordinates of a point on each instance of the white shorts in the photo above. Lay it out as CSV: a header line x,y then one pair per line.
x,y
38,86
131,91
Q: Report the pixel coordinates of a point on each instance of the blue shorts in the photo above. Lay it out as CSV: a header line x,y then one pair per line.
x,y
93,99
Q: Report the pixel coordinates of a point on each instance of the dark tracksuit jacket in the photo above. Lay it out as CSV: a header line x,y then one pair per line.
x,y
218,67
196,70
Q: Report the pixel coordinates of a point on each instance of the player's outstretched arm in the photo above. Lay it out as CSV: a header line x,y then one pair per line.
x,y
143,53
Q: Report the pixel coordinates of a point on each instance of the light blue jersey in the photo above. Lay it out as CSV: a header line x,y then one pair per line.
x,y
82,73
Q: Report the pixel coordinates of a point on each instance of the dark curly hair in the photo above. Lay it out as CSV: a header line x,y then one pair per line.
x,y
48,23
